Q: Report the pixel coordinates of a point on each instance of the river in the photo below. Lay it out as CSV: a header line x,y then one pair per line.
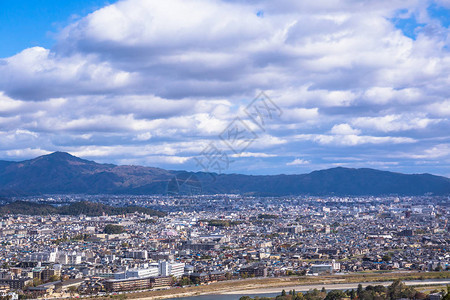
x,y
272,292
224,297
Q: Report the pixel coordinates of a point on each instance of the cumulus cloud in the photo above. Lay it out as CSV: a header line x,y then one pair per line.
x,y
144,81
344,129
26,153
153,159
38,74
437,151
297,162
391,123
440,108
252,154
353,139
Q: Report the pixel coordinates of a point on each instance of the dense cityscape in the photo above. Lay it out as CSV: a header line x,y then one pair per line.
x,y
203,239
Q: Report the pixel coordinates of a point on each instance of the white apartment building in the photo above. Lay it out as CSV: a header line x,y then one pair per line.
x,y
46,256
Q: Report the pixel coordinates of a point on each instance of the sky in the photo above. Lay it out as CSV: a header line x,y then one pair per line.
x,y
178,84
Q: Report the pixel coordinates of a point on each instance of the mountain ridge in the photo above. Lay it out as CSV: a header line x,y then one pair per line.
x,y
61,172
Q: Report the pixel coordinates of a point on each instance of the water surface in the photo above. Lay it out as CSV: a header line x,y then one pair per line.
x,y
225,297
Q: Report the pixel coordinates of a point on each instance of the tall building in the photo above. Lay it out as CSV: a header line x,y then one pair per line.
x,y
137,254
47,256
164,268
177,269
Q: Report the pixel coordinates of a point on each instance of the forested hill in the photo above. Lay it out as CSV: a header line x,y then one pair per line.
x,y
74,209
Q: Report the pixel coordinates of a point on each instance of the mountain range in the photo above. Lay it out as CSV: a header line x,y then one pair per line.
x,y
62,173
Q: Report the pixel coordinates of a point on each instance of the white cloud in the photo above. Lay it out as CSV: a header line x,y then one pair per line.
x,y
25,153
440,108
145,136
38,74
300,114
266,141
344,129
353,140
253,154
388,95
438,151
152,160
391,123
297,162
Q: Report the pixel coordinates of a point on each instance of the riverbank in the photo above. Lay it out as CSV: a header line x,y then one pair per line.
x,y
266,285
341,286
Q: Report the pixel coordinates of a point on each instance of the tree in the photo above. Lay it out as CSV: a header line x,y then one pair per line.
x,y
379,289
367,295
359,290
36,282
421,296
386,258
335,295
283,293
447,295
399,290
113,229
185,281
54,278
314,295
72,289
352,294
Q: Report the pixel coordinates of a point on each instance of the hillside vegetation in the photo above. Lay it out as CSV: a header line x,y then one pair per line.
x,y
73,209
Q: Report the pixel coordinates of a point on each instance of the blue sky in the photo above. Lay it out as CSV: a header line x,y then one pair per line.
x,y
28,23
440,13
160,83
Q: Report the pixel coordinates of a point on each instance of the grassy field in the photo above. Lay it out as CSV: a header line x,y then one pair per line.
x,y
281,282
430,288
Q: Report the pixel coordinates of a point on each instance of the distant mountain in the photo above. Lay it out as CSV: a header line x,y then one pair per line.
x,y
74,209
60,172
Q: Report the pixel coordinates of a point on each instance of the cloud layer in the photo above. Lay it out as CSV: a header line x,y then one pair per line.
x,y
155,82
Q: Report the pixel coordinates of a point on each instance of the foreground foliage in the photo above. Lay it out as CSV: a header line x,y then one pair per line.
x,y
397,290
